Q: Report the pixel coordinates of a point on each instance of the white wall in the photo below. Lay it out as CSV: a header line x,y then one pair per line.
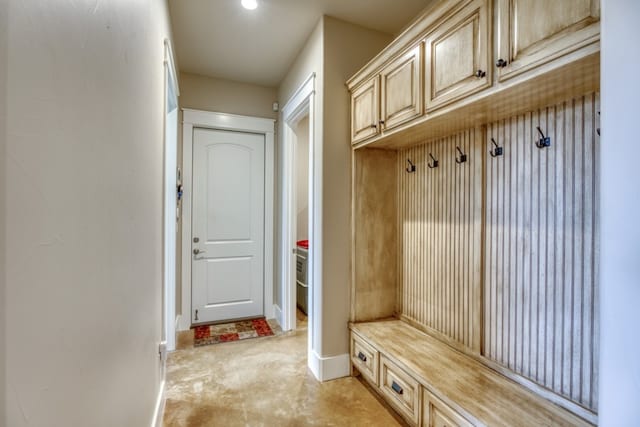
x,y
302,179
347,48
620,247
3,157
225,96
84,211
308,61
334,51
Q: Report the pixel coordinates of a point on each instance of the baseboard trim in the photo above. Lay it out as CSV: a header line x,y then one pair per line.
x,y
277,314
158,412
329,368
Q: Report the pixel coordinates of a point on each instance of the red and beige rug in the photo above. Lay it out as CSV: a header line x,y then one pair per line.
x,y
235,331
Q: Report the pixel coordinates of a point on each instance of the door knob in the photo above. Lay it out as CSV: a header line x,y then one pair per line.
x,y
501,63
480,74
197,251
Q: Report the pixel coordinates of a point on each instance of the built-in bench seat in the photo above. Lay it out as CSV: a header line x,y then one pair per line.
x,y
432,384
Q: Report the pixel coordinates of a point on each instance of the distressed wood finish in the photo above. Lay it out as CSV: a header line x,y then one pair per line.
x,y
374,234
541,290
456,50
365,110
440,237
475,392
535,32
436,413
401,89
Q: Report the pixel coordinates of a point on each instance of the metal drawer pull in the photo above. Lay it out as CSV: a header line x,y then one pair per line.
x,y
362,357
396,387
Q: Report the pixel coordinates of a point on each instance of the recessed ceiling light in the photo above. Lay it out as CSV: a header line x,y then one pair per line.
x,y
250,4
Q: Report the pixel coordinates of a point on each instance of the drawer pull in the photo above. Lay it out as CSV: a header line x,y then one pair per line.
x,y
396,387
362,357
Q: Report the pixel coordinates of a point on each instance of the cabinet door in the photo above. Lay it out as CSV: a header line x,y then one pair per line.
x,y
437,414
401,89
533,32
456,55
365,110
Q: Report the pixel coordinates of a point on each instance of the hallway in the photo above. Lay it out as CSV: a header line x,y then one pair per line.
x,y
263,382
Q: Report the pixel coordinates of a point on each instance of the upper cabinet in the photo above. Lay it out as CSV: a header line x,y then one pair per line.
x,y
388,99
535,32
401,83
365,110
457,55
465,61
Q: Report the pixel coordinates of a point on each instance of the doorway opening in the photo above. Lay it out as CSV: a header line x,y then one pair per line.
x,y
301,221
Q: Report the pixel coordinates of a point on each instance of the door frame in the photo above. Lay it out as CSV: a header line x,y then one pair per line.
x,y
301,103
192,119
170,260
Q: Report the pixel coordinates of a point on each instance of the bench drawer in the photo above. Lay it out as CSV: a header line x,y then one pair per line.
x,y
436,413
401,390
365,358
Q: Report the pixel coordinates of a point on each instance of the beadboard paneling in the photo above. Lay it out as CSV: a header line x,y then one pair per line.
x,y
440,216
541,249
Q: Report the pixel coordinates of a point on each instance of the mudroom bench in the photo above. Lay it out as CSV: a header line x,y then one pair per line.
x,y
431,384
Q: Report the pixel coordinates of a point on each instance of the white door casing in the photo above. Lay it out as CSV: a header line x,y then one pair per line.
x,y
227,225
197,119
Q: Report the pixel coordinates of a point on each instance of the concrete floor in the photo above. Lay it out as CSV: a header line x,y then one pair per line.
x,y
263,382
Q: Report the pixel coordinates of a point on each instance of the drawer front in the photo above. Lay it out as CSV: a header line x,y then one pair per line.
x,y
400,389
365,358
438,414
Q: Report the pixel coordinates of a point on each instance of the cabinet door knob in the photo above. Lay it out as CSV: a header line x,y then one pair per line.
x,y
374,126
480,74
501,63
381,122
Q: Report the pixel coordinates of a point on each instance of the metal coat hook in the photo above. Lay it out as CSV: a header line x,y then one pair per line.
x,y
497,151
411,168
545,141
462,158
434,162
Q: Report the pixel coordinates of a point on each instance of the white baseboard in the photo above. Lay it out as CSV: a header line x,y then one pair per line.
x,y
158,412
183,322
278,314
329,368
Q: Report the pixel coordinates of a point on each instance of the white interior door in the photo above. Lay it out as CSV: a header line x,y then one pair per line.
x,y
227,225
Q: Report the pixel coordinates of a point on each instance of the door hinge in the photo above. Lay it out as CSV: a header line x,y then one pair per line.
x,y
196,318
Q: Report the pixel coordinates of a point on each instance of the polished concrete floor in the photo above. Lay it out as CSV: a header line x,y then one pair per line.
x,y
263,382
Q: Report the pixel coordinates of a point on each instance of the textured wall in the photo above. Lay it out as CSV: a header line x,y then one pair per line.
x,y
84,213
441,215
542,249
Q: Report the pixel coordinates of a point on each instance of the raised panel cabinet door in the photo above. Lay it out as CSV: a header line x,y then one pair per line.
x,y
456,55
365,110
401,89
437,414
534,32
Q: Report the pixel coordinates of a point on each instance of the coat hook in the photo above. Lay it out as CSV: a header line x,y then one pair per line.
x,y
462,158
434,162
598,130
496,151
545,141
411,168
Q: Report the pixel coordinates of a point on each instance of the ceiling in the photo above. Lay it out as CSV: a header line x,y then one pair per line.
x,y
219,38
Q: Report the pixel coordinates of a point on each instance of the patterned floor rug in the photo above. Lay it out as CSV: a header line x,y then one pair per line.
x,y
235,331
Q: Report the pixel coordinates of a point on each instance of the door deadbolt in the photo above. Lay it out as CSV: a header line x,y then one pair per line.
x,y
196,240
